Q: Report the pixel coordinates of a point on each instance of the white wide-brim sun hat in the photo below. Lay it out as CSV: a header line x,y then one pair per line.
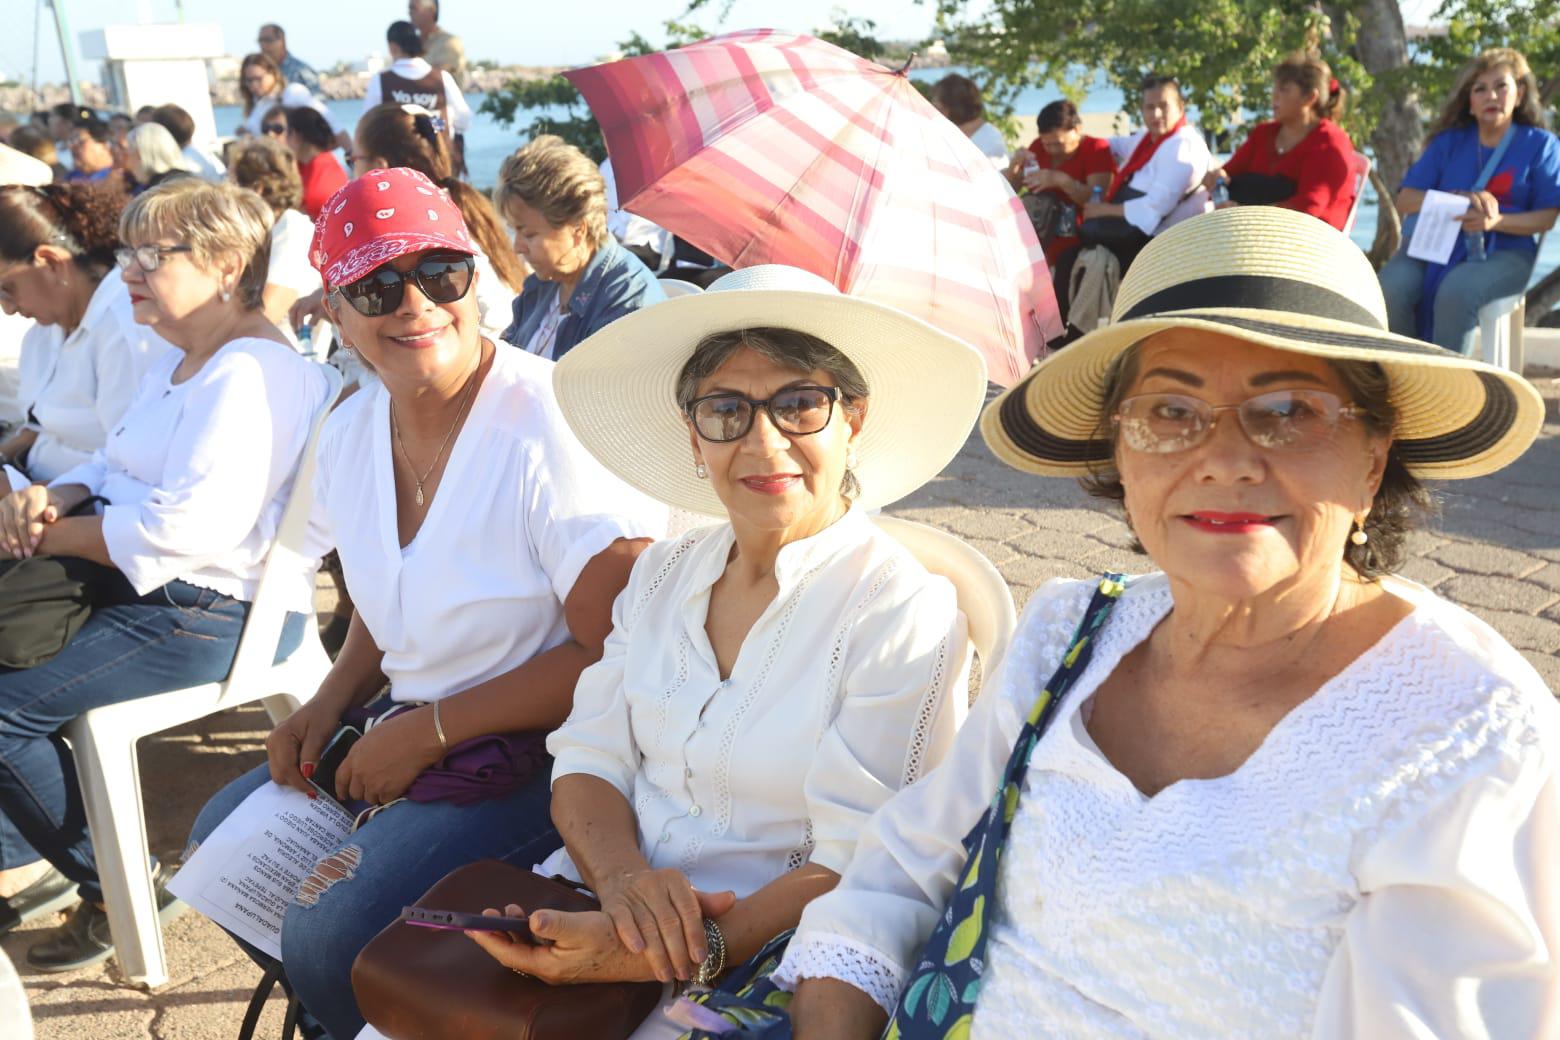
x,y
20,168
618,389
1273,278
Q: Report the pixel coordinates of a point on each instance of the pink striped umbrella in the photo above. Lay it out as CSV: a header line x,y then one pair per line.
x,y
765,147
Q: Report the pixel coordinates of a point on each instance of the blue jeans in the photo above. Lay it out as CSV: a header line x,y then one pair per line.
x,y
388,863
1466,287
170,638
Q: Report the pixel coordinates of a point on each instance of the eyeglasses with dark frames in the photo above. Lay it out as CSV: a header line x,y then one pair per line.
x,y
274,129
148,258
796,410
1281,420
441,278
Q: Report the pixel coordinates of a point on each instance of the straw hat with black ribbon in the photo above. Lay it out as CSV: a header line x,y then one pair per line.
x,y
1280,279
618,389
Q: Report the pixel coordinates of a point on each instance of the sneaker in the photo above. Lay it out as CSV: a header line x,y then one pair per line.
x,y
53,891
84,939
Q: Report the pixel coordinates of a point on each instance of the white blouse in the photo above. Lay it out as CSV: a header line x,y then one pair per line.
x,y
520,510
76,387
197,473
1176,169
849,686
992,144
1381,867
289,267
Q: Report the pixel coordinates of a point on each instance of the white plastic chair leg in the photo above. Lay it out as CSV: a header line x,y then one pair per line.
x,y
280,706
111,790
1518,354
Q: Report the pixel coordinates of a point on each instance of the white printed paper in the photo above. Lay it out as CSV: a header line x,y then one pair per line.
x,y
1438,228
246,873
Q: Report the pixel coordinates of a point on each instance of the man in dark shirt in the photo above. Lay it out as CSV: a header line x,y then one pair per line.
x,y
273,44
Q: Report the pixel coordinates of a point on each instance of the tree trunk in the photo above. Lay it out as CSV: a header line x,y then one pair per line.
x,y
1543,297
1382,47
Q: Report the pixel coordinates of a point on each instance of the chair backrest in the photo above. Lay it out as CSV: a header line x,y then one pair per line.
x,y
984,596
675,287
1359,166
285,561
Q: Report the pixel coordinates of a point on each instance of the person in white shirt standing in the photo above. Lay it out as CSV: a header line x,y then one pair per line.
x,y
484,549
410,80
772,679
195,476
84,357
958,98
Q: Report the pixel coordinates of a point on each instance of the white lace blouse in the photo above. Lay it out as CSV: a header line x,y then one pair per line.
x,y
1382,866
850,685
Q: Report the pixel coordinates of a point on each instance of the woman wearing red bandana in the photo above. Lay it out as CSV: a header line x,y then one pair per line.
x,y
1300,159
1494,119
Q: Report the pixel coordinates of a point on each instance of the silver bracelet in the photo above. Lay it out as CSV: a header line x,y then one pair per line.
x,y
438,728
710,968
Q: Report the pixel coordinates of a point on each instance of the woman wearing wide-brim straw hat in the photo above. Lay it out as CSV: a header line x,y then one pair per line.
x,y
1275,791
771,679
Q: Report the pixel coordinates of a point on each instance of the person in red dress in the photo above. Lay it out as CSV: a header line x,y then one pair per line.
x,y
1301,159
311,140
1064,162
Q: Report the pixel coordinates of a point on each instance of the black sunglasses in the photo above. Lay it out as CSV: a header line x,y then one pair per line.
x,y
277,129
797,410
442,279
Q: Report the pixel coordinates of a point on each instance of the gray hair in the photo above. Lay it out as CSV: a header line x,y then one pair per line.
x,y
788,348
158,151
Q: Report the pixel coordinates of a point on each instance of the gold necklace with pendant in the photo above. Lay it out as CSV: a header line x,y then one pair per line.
x,y
395,428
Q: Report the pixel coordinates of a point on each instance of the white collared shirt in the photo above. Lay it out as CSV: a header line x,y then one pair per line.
x,y
76,387
992,144
414,69
1381,866
197,473
520,509
849,686
1177,167
205,164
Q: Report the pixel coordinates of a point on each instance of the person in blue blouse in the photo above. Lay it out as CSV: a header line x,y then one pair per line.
x,y
1496,106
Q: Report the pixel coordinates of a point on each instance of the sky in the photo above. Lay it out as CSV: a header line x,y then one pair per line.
x,y
526,32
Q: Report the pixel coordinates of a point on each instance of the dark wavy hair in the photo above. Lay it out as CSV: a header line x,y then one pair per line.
x,y
82,219
1401,504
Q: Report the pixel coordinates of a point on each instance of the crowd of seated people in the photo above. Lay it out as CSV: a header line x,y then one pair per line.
x,y
749,739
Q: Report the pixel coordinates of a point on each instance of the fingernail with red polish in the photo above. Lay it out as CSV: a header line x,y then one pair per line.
x,y
307,769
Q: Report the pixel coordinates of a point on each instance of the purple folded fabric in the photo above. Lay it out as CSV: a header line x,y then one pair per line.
x,y
472,771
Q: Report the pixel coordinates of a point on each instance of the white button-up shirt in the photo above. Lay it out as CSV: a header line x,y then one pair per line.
x,y
520,510
1176,169
197,473
849,686
76,387
1381,866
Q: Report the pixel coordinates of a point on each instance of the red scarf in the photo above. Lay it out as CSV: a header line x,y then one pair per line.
x,y
1139,158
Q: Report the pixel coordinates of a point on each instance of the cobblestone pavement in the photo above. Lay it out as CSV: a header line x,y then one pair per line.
x,y
1495,549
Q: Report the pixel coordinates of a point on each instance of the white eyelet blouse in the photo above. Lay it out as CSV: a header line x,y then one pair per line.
x,y
849,686
1383,866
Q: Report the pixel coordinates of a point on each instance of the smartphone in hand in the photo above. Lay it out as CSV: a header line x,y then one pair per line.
x,y
455,921
324,777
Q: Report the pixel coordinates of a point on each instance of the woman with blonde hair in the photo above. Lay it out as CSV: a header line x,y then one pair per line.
x,y
167,528
1301,159
153,156
582,279
1492,144
266,167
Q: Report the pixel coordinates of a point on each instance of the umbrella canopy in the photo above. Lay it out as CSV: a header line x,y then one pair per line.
x,y
763,147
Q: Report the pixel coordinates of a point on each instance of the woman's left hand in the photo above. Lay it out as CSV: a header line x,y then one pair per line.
x,y
579,947
383,764
1483,212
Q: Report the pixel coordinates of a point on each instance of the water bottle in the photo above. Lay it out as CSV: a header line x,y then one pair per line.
x,y
1475,243
1221,193
1097,195
1031,167
306,337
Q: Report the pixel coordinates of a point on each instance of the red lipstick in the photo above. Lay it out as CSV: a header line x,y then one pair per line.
x,y
772,484
1228,523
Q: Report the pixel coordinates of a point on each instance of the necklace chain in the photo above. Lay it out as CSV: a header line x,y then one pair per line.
x,y
395,427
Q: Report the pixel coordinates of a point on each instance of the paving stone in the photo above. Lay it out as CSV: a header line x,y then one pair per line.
x,y
1548,668
1480,558
1054,544
1524,631
1512,594
1425,571
1548,577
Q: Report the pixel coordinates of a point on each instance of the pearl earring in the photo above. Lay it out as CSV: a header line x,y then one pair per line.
x,y
701,471
226,296
1359,537
850,458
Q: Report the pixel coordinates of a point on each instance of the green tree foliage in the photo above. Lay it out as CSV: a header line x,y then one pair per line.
x,y
1531,26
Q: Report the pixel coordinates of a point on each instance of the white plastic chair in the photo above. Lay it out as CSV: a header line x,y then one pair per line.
x,y
104,738
983,594
1360,167
1500,328
675,287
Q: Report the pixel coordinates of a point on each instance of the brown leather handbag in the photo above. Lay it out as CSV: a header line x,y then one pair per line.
x,y
417,984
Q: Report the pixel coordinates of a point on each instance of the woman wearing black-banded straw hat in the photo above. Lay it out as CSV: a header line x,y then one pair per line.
x,y
1275,790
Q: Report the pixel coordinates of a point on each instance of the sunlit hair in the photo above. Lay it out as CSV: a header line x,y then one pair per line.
x,y
1530,108
1309,72
214,220
266,167
155,146
557,180
959,98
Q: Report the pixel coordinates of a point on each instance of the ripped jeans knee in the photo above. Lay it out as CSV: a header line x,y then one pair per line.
x,y
341,865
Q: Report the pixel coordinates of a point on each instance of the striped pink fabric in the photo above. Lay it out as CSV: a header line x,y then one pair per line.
x,y
766,147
